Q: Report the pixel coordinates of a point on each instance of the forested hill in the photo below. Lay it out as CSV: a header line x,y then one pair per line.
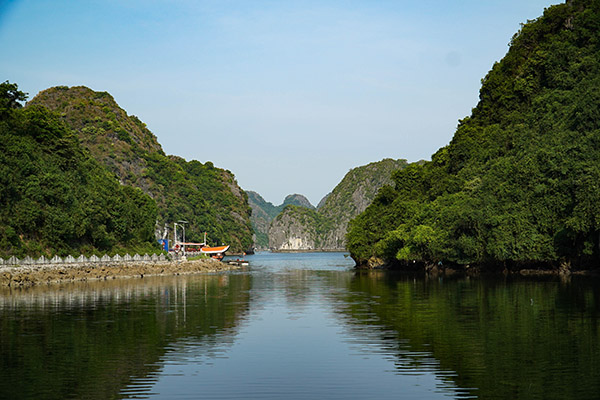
x,y
205,196
55,198
519,184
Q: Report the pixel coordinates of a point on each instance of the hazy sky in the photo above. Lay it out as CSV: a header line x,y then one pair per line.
x,y
288,95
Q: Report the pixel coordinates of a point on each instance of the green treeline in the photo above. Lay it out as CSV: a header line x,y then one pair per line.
x,y
54,197
520,181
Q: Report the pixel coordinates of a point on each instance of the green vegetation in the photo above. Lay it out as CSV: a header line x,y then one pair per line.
x,y
261,240
519,182
265,209
205,196
56,199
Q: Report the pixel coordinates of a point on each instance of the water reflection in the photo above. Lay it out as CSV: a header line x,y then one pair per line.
x,y
92,340
302,326
493,338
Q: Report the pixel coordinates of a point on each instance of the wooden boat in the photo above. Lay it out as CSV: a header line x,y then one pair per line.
x,y
216,252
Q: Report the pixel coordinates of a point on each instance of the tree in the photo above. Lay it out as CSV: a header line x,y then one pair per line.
x,y
10,98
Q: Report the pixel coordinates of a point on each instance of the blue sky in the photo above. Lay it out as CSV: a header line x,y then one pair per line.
x,y
288,95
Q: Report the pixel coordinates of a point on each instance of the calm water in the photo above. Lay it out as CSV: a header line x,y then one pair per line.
x,y
303,326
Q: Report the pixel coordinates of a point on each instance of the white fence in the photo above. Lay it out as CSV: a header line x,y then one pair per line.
x,y
83,259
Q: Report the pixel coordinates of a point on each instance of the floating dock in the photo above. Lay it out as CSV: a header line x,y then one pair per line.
x,y
241,263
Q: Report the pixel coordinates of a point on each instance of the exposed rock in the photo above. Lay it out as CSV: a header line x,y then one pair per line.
x,y
293,230
375,262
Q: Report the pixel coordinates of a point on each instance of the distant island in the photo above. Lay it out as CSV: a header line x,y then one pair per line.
x,y
297,225
302,228
263,212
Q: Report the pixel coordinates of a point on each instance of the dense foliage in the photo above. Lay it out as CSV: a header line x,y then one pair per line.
x,y
205,196
54,198
519,182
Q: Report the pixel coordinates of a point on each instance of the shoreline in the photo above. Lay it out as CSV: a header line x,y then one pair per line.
x,y
311,251
478,270
33,275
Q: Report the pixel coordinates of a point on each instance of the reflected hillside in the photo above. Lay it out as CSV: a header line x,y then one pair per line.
x,y
493,338
93,340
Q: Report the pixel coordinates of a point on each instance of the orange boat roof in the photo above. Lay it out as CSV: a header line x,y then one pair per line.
x,y
216,249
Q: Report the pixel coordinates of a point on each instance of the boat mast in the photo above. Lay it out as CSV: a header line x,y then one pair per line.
x,y
174,235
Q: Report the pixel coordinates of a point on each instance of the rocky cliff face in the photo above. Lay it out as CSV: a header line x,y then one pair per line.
x,y
209,198
263,213
291,234
304,229
300,229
